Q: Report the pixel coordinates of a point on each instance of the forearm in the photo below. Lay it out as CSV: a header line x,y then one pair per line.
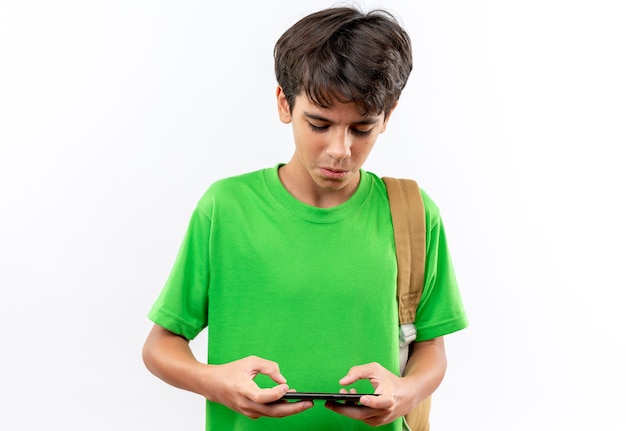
x,y
426,367
169,357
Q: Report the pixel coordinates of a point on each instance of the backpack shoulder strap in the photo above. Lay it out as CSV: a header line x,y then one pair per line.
x,y
409,230
407,215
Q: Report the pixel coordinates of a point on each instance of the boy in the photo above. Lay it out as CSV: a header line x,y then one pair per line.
x,y
293,268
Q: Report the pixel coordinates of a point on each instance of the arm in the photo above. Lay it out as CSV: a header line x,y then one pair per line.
x,y
168,356
426,367
399,395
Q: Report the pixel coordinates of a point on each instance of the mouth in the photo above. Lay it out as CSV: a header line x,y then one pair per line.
x,y
334,174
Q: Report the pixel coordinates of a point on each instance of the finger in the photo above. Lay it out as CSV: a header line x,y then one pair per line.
x,y
380,402
268,395
353,403
279,410
360,372
372,417
351,411
269,368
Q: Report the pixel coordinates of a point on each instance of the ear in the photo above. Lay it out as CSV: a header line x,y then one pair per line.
x,y
387,117
284,113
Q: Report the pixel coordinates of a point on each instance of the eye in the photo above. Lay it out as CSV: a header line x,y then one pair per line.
x,y
318,129
361,133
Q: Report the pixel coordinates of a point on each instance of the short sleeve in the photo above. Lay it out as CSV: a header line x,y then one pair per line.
x,y
183,302
440,310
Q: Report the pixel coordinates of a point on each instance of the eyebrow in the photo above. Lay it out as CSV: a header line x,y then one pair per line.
x,y
365,121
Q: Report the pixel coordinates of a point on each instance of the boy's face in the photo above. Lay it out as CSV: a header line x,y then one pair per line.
x,y
331,144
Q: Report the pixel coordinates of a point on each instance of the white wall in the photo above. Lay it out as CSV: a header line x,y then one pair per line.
x,y
115,116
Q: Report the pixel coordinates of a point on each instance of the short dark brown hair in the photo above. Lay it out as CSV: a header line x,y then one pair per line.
x,y
343,54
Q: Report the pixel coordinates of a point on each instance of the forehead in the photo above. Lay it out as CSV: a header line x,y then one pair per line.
x,y
337,111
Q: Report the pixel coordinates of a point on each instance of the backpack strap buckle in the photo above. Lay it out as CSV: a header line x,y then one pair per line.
x,y
407,334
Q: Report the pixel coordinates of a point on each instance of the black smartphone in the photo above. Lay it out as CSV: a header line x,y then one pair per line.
x,y
328,396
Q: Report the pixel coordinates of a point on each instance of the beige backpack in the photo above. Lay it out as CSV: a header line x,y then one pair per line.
x,y
409,229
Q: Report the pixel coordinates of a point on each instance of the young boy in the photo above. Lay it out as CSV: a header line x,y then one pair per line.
x,y
293,268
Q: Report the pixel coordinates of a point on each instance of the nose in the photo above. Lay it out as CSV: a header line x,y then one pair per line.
x,y
339,146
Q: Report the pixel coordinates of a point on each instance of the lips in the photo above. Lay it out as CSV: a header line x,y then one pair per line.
x,y
333,173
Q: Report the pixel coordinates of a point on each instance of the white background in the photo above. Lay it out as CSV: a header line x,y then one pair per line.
x,y
116,115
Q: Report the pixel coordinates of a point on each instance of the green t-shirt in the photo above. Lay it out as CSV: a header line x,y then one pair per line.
x,y
312,289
